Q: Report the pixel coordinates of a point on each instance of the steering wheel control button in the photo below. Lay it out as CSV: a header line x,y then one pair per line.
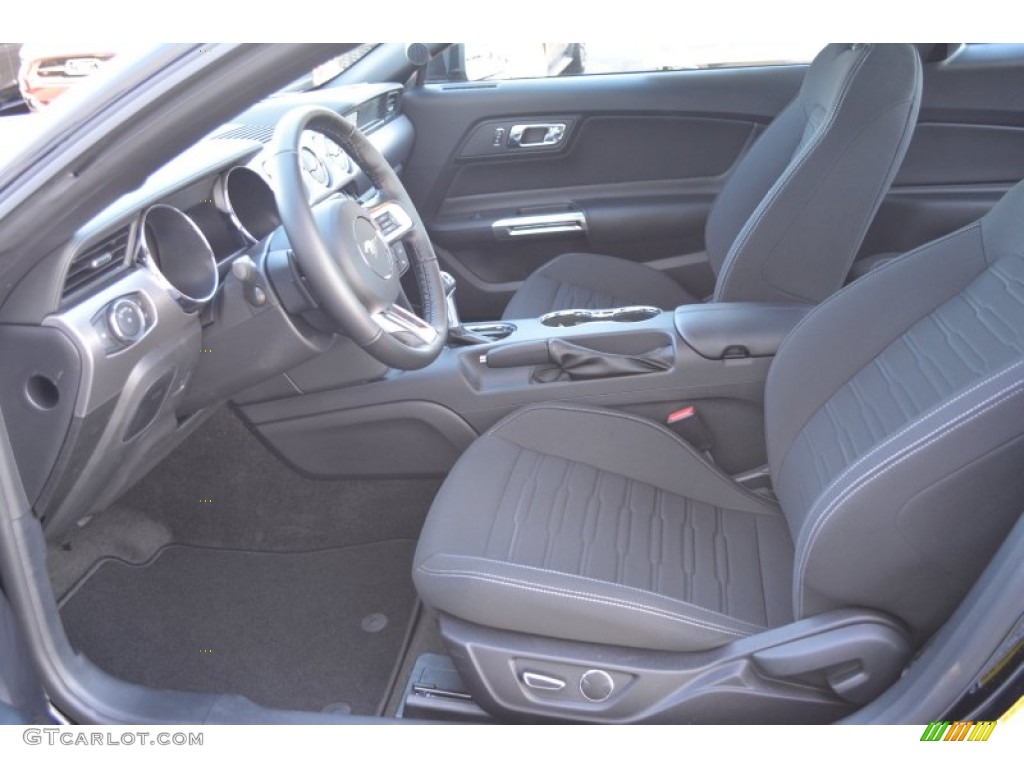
x,y
387,223
401,257
538,681
596,685
126,320
392,220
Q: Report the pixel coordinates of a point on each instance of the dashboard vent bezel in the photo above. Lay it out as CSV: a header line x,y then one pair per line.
x,y
261,133
82,275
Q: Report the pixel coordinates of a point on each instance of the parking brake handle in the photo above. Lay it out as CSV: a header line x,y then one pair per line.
x,y
524,353
559,360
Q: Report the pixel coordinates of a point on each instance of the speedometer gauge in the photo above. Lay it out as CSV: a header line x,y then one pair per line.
x,y
248,201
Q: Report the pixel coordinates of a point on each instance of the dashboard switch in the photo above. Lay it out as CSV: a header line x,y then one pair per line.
x,y
126,320
245,270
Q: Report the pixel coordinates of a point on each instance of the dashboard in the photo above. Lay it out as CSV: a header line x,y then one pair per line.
x,y
168,302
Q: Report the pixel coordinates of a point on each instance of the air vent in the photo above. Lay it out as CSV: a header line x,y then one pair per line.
x,y
100,260
260,133
391,104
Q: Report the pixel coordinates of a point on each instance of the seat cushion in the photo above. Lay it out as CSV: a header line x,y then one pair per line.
x,y
590,281
599,526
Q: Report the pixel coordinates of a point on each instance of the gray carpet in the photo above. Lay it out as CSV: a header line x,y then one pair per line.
x,y
224,488
300,630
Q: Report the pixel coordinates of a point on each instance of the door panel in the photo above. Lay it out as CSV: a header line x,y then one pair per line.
x,y
610,150
640,157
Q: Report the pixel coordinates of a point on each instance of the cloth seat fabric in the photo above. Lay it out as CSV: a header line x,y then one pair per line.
x,y
594,525
895,441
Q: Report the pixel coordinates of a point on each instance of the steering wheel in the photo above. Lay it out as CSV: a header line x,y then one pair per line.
x,y
344,248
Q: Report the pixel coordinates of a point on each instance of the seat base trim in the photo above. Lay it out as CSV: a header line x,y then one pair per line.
x,y
812,671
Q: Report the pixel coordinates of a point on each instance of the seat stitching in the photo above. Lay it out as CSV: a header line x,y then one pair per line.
x,y
552,529
761,573
657,428
787,175
916,422
528,488
593,497
720,560
688,546
592,580
501,499
585,597
655,541
930,437
622,547
860,284
880,469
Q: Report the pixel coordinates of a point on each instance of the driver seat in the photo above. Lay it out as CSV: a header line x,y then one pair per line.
x,y
589,564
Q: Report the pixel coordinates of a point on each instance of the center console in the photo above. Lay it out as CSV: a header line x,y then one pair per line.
x,y
708,361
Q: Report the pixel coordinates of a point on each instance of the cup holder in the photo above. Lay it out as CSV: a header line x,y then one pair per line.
x,y
567,318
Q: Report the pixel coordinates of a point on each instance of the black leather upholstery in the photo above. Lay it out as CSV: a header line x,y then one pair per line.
x,y
790,218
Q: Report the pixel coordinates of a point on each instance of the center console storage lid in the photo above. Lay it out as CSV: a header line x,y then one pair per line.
x,y
737,329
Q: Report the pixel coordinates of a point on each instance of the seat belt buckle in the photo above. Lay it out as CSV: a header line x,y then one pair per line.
x,y
682,414
688,424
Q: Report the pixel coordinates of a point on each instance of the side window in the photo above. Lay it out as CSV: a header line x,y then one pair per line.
x,y
505,61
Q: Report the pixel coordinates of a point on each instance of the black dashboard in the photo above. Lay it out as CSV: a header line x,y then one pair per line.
x,y
145,299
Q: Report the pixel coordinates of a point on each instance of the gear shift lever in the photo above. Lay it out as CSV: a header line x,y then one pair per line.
x,y
448,283
457,333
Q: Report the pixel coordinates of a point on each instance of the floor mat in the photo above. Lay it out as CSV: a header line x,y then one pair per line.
x,y
301,631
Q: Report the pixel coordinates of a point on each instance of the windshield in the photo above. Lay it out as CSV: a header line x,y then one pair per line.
x,y
329,70
34,75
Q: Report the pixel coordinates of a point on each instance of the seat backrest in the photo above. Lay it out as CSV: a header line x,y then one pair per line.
x,y
895,426
790,218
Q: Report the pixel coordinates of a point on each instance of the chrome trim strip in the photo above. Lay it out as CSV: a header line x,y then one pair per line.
x,y
541,224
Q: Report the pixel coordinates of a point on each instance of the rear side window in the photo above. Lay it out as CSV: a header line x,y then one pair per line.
x,y
506,61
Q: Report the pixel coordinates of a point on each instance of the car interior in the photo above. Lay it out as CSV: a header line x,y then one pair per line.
x,y
683,396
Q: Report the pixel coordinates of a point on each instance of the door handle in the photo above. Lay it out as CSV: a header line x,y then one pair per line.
x,y
565,222
536,135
